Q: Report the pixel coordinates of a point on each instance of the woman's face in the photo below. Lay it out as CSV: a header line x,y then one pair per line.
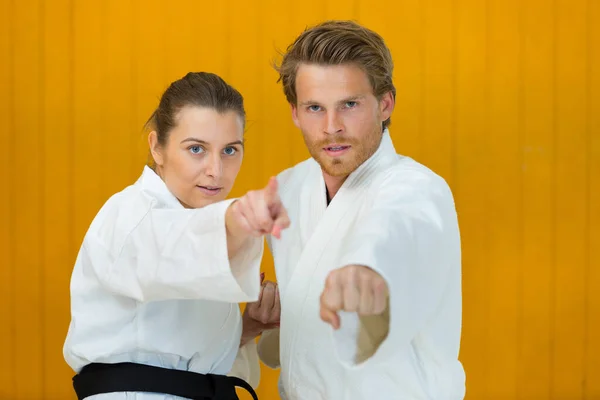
x,y
202,155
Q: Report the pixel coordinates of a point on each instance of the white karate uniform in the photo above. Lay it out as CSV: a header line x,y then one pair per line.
x,y
153,284
397,217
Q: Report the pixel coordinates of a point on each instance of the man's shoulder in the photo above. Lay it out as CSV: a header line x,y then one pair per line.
x,y
294,176
412,176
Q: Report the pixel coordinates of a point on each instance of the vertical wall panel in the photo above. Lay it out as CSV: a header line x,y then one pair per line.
x,y
213,36
28,199
537,279
375,15
437,133
117,84
592,349
57,239
341,9
470,189
7,221
503,153
407,41
182,45
88,119
571,198
149,75
277,129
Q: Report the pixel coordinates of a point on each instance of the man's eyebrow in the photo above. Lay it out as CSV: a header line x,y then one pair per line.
x,y
345,100
309,102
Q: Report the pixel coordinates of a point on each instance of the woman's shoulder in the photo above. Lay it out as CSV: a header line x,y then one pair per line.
x,y
122,211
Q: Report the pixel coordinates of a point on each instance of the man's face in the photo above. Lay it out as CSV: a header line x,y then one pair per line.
x,y
339,116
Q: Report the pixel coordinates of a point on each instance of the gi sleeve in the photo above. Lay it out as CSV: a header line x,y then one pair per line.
x,y
175,254
246,365
410,236
268,348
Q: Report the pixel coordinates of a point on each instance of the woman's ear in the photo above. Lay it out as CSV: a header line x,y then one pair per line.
x,y
155,148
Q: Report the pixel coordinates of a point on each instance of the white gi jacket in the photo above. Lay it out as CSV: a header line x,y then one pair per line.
x,y
153,284
397,217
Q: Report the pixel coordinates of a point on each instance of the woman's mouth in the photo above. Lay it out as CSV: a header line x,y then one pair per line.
x,y
210,190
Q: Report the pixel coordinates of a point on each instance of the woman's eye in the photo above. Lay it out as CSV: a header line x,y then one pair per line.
x,y
230,151
196,149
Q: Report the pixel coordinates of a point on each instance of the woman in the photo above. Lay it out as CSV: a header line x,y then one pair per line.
x,y
164,263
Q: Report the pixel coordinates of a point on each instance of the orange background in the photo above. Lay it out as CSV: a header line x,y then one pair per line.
x,y
501,97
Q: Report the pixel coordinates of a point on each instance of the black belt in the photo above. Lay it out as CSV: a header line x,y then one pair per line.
x,y
98,378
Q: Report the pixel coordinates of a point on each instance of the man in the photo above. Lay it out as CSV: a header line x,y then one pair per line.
x,y
369,271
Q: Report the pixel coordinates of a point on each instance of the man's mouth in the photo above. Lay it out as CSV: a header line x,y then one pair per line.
x,y
336,149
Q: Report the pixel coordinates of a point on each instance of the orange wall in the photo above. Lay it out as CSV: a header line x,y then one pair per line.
x,y
501,97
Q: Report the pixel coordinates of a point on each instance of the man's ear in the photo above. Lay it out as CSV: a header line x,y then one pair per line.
x,y
155,148
295,115
386,106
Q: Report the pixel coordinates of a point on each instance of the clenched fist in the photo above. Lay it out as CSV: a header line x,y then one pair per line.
x,y
353,288
260,212
263,314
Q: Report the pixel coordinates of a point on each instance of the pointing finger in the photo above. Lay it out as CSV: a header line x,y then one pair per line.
x,y
282,222
242,220
262,214
271,191
245,209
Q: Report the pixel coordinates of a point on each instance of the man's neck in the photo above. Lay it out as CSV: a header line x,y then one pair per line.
x,y
332,185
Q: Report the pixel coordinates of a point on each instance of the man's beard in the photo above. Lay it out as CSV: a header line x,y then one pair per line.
x,y
359,152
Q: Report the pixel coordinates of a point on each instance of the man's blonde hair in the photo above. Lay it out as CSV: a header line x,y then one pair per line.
x,y
335,43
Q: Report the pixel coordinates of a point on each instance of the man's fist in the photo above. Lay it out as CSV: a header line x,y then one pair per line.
x,y
260,212
263,314
353,288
